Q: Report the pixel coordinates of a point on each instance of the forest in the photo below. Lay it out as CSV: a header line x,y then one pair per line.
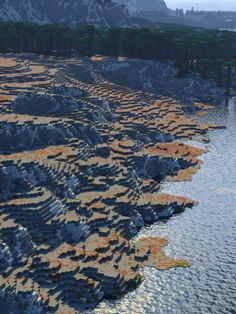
x,y
191,48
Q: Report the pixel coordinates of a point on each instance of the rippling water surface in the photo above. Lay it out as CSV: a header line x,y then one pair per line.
x,y
205,235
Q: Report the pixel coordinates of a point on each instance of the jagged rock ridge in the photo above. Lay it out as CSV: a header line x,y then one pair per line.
x,y
69,11
135,6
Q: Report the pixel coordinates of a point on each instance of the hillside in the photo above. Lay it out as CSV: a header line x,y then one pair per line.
x,y
72,12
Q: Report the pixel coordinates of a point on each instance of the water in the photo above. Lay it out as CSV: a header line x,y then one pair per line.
x,y
204,235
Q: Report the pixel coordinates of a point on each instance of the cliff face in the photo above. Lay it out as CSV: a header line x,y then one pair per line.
x,y
135,6
157,77
69,11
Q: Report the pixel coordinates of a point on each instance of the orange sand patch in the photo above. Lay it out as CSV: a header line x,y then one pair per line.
x,y
150,248
175,150
37,69
167,199
24,118
4,97
201,113
185,174
39,154
98,58
7,62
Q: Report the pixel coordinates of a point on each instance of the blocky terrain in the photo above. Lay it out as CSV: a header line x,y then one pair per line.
x,y
81,165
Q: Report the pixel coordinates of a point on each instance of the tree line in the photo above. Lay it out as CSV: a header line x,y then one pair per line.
x,y
192,48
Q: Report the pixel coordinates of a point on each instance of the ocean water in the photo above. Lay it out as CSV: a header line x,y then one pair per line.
x,y
204,235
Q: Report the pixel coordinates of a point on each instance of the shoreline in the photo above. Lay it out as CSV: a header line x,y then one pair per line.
x,y
91,166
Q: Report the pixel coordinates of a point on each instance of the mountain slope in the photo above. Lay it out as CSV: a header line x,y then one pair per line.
x,y
135,6
69,11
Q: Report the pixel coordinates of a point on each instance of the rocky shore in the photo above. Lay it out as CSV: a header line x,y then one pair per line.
x,y
161,78
85,146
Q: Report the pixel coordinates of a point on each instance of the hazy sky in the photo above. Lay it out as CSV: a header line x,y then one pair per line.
x,y
203,4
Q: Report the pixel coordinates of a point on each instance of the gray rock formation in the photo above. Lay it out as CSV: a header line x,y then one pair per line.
x,y
144,5
71,12
155,76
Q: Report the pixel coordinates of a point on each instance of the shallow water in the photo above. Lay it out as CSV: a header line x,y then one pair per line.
x,y
204,235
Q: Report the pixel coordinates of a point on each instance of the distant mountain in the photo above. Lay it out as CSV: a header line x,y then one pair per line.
x,y
135,6
96,12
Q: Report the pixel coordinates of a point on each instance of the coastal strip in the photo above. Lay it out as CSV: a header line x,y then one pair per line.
x,y
82,160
